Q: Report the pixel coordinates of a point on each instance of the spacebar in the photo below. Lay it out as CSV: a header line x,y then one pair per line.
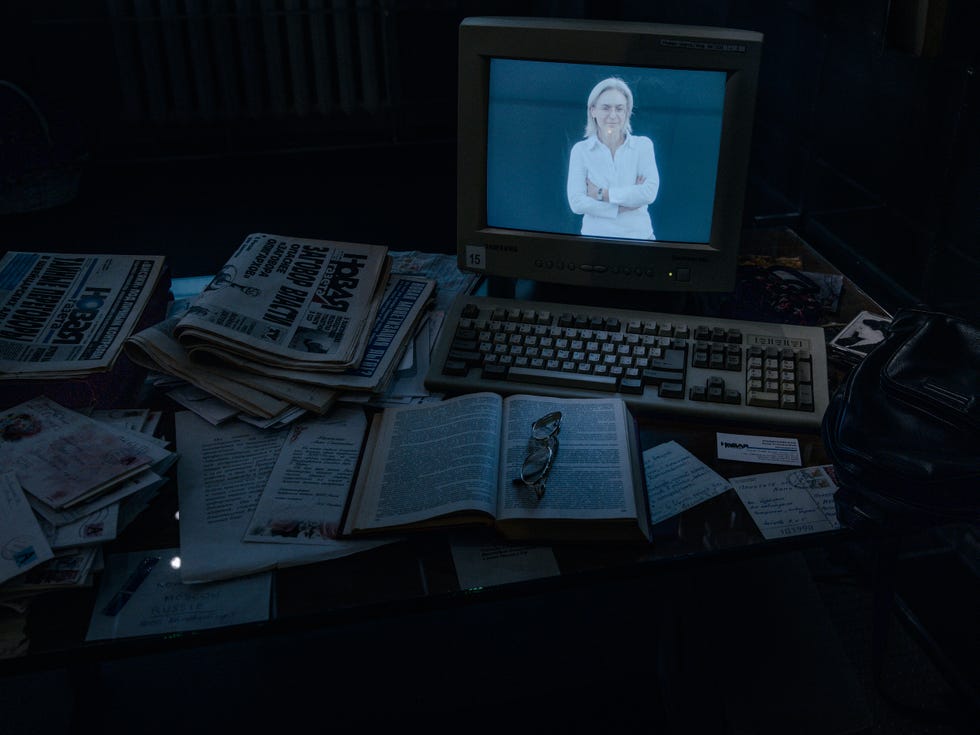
x,y
563,380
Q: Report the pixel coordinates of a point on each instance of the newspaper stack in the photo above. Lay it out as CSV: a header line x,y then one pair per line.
x,y
64,319
71,482
286,324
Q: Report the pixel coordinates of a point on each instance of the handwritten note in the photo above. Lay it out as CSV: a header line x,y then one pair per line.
x,y
677,480
790,502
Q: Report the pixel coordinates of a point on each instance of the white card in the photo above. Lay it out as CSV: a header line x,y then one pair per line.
x,y
763,449
483,560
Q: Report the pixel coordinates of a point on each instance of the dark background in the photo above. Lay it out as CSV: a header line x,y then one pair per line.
x,y
194,122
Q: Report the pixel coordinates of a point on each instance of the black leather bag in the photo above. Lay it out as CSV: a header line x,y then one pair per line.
x,y
903,430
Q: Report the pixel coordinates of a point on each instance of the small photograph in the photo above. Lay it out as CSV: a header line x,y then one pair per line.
x,y
859,337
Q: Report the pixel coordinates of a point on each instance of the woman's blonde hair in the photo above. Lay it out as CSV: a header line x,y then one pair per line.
x,y
610,83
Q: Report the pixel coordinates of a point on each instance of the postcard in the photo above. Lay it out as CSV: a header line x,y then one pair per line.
x,y
790,502
69,568
62,456
23,544
95,528
141,593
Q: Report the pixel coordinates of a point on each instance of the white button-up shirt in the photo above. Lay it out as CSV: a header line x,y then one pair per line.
x,y
592,159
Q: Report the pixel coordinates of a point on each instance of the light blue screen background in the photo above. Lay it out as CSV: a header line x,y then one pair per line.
x,y
537,112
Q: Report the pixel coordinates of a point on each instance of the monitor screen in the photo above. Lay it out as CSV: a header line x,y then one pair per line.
x,y
604,153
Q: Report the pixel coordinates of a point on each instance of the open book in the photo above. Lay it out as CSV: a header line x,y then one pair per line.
x,y
455,462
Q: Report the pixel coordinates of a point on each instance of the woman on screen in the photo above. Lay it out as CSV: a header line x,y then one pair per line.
x,y
612,174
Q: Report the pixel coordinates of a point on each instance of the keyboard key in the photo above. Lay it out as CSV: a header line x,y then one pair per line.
x,y
494,372
455,367
566,380
804,373
470,357
631,385
804,397
652,376
671,360
768,399
465,345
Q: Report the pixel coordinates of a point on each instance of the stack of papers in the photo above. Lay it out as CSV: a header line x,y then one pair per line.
x,y
71,483
284,327
64,316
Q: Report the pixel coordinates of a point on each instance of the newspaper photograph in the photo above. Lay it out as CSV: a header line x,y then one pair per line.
x,y
64,315
291,302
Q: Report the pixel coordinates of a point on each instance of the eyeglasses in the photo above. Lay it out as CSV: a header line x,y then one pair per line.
x,y
543,447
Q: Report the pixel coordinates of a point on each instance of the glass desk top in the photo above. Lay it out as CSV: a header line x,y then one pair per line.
x,y
419,571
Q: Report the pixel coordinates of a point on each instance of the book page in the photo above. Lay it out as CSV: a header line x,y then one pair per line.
x,y
591,475
220,478
305,496
429,460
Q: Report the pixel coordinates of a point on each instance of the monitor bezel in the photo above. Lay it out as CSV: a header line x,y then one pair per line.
x,y
593,261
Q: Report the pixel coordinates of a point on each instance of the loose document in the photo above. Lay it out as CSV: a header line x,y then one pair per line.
x,y
141,593
304,498
221,476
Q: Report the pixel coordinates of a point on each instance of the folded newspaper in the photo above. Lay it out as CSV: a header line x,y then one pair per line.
x,y
65,315
269,387
289,302
269,392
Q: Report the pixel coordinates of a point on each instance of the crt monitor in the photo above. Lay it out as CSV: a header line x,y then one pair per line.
x,y
604,154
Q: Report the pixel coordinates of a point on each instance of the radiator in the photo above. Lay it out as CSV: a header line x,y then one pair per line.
x,y
203,60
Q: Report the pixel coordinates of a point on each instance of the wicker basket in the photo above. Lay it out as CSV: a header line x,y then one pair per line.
x,y
34,173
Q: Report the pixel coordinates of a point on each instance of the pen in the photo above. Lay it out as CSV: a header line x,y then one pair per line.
x,y
129,588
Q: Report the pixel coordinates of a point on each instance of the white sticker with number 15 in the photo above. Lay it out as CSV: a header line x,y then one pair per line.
x,y
476,257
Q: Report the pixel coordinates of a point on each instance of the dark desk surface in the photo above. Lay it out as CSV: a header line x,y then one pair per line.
x,y
418,573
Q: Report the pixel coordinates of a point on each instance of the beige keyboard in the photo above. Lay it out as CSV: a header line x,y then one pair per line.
x,y
702,367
